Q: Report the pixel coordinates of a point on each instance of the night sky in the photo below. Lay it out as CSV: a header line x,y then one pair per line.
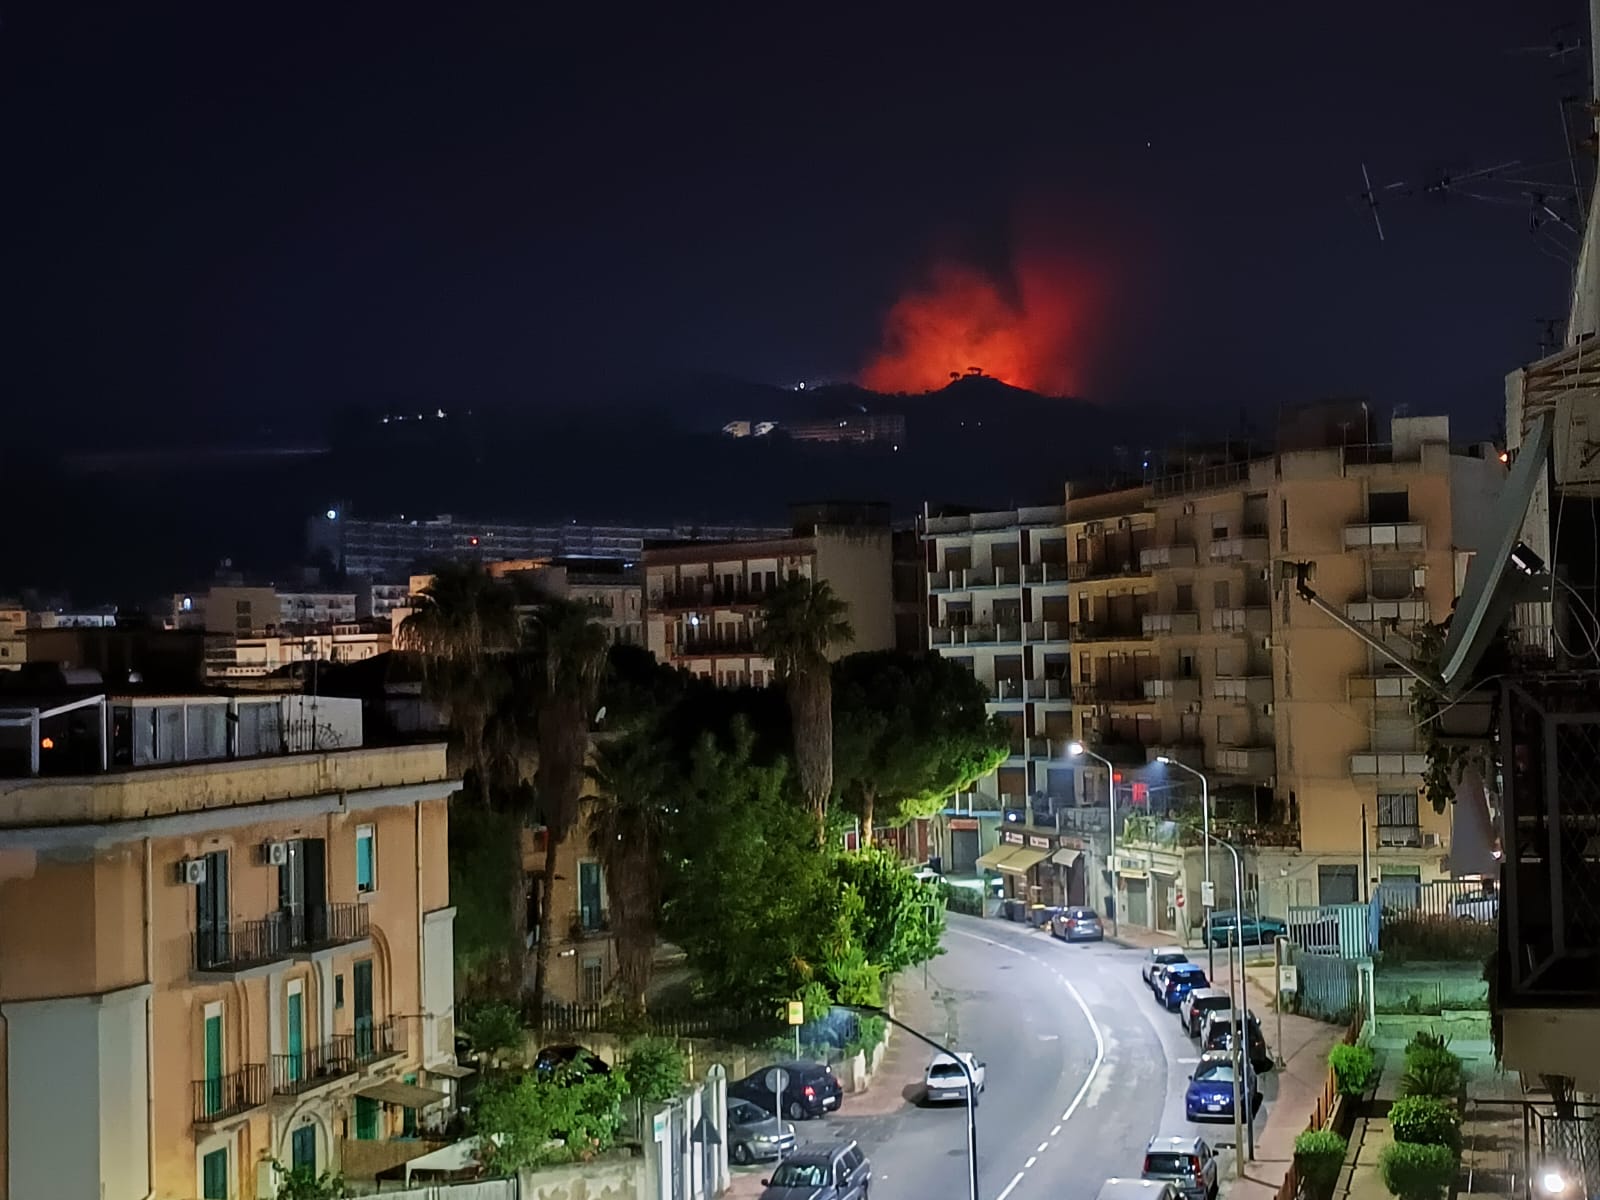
x,y
244,216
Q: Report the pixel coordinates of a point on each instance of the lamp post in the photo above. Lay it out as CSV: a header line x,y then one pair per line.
x,y
1241,1022
1079,750
1205,828
972,1088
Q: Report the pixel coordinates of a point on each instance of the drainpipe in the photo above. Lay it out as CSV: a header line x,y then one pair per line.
x,y
149,1022
422,982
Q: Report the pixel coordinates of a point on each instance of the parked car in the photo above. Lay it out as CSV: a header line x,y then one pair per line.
x,y
1178,980
836,1171
551,1059
1210,1092
1476,906
945,1080
1251,929
1078,925
811,1090
1136,1189
1160,956
1217,1032
755,1135
1197,1003
1184,1161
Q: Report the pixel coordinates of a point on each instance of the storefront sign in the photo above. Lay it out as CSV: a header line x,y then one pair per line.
x,y
1039,843
963,823
1014,838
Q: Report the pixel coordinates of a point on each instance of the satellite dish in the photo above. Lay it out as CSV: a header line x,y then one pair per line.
x,y
1489,593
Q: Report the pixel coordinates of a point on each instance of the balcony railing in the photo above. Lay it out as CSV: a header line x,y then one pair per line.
x,y
1179,554
1172,691
1048,747
223,1096
1190,753
376,1040
1047,689
1402,535
1388,762
1046,631
1386,610
707,647
1242,689
1110,692
591,923
1242,620
1379,687
1109,631
1161,624
313,1067
1253,762
1046,572
688,599
1246,547
330,925
962,579
1281,836
1007,689
1111,568
241,946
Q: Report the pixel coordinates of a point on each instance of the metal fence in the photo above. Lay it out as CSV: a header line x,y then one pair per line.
x,y
1322,1116
1341,930
702,1021
1329,987
1440,900
1508,1144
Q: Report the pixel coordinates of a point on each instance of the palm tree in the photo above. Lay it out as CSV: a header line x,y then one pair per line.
x,y
627,817
459,622
800,623
570,648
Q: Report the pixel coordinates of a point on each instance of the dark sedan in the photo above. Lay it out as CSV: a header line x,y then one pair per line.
x,y
808,1089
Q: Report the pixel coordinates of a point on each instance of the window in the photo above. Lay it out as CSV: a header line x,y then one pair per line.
x,y
1397,819
1392,583
366,859
1338,884
593,981
214,1175
1219,594
366,1119
591,915
338,991
1384,507
1185,602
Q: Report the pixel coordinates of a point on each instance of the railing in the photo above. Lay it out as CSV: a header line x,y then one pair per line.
x,y
1252,619
376,1039
1108,631
703,647
1203,479
591,924
1242,688
1045,572
1282,836
1048,689
1323,1114
247,944
1045,631
1110,692
1178,554
224,1096
311,1068
1186,621
1386,610
330,925
1244,548
1342,929
1007,689
1440,900
696,1020
1389,536
1172,690
1106,569
1246,760
1391,762
707,597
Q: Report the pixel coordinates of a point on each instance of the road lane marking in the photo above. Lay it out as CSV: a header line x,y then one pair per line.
x,y
1055,1131
1043,1146
1031,1160
1010,1187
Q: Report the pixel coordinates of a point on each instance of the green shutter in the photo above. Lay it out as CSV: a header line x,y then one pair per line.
x,y
366,1119
303,1148
214,1064
214,1175
296,1037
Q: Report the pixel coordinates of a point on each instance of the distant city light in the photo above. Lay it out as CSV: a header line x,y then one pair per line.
x,y
332,514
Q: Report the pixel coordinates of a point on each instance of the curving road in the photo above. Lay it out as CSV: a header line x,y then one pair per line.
x,y
1084,1067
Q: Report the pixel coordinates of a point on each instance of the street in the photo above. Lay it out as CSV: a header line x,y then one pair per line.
x,y
1084,1066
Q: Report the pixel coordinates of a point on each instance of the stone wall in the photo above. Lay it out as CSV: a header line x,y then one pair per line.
x,y
609,1178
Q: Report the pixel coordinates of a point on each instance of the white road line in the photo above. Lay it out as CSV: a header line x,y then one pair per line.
x,y
1043,1146
1010,1187
1186,1060
1031,1160
1055,1131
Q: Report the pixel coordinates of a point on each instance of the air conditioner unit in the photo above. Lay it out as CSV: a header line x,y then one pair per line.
x,y
1266,709
1432,841
194,870
275,854
1188,508
1419,578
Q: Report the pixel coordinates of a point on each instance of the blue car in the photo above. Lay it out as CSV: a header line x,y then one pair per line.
x,y
1210,1094
1178,981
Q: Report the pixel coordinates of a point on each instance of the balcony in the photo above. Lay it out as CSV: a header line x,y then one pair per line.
x,y
1040,574
1242,689
295,1074
688,599
1189,753
1249,762
1079,572
1162,624
1379,687
1405,535
1124,753
590,924
1007,689
1047,689
740,644
1046,631
1108,631
226,1096
1242,620
327,927
241,947
1110,691
1181,554
1172,691
1285,837
1249,546
1386,610
965,579
1388,762
1049,747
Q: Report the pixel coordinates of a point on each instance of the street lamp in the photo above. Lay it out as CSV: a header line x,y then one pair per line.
x,y
1205,826
1079,750
1241,1023
972,1087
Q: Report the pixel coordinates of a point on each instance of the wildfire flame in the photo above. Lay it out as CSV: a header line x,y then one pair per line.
x,y
1031,335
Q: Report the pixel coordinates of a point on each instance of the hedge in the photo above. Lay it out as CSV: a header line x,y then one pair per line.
x,y
1353,1067
1413,1172
1425,1121
1318,1159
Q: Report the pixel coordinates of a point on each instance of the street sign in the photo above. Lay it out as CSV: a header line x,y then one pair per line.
x,y
1179,900
1288,977
776,1080
1208,894
797,1012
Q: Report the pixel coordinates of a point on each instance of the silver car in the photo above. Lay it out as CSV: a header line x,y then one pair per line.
x,y
1160,956
1186,1162
826,1171
1137,1189
755,1135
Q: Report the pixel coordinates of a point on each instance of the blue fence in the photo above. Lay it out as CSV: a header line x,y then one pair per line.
x,y
1335,930
1329,987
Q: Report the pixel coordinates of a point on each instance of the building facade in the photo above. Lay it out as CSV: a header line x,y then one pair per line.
x,y
998,604
703,601
219,946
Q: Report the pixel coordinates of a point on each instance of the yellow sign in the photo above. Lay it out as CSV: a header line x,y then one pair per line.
x,y
797,1012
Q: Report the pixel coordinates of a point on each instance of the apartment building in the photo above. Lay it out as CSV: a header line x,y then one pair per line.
x,y
998,604
219,946
1190,643
703,601
612,591
13,642
235,659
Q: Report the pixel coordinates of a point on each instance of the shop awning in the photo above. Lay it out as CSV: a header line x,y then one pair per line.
x,y
1066,856
449,1070
402,1095
1024,860
990,860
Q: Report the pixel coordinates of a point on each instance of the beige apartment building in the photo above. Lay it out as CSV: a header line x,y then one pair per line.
x,y
998,605
1190,642
703,600
218,946
13,637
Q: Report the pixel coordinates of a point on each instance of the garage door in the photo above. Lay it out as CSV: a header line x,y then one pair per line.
x,y
963,851
1138,891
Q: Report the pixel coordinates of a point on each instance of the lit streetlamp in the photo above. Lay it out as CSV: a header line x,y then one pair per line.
x,y
1210,889
1079,750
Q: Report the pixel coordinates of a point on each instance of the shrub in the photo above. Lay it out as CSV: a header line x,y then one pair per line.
x,y
1413,1172
1353,1066
1431,1070
653,1067
962,899
1425,1121
1433,939
870,1031
493,1028
1318,1158
1426,1040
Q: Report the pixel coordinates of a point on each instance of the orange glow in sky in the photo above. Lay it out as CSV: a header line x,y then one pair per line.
x,y
1031,336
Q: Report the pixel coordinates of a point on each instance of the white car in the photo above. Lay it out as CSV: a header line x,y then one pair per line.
x,y
1476,906
946,1080
1160,956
